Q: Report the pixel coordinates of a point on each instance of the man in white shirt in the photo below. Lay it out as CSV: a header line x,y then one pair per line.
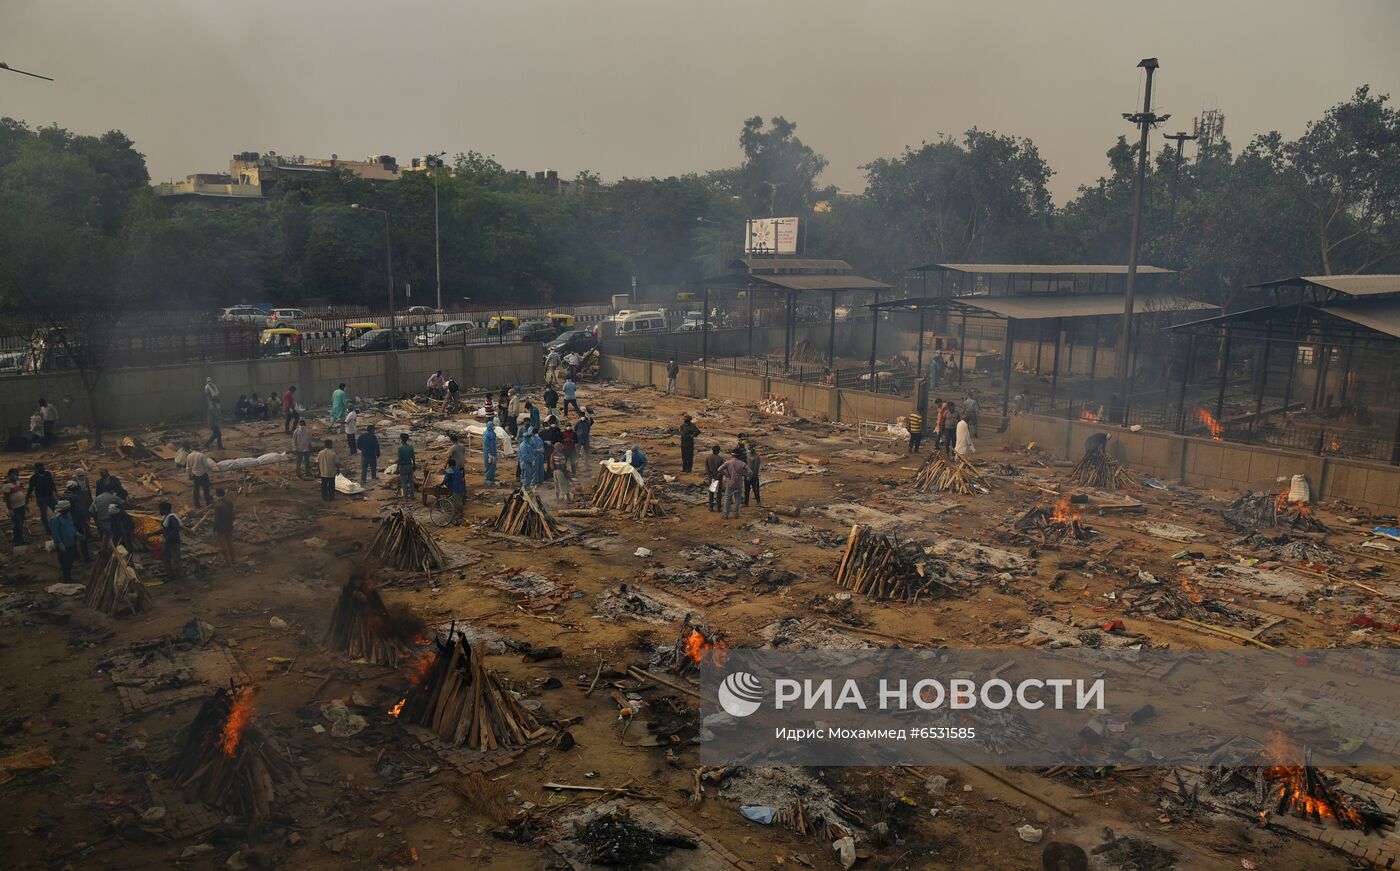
x,y
198,464
352,421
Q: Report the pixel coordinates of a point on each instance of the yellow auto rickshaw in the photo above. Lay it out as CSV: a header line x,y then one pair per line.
x,y
561,322
499,325
355,330
685,296
281,341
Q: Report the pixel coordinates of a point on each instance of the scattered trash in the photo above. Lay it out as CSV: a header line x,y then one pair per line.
x,y
314,543
343,723
29,760
642,552
845,851
197,631
65,589
936,785
153,814
759,813
1030,834
277,623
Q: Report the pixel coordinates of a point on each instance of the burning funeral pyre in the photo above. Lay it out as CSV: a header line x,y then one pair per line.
x,y
463,702
779,405
227,762
363,627
941,474
1097,469
620,488
404,543
1213,426
878,566
1058,524
1254,510
524,514
113,586
695,643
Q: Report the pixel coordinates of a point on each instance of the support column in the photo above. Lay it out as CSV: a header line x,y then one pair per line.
x,y
1006,369
874,334
1094,357
1055,371
705,333
962,346
1293,360
1263,376
1186,366
831,336
787,342
1224,377
919,366
751,293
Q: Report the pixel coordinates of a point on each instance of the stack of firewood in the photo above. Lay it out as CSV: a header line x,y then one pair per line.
x,y
941,474
113,587
403,542
363,627
524,514
774,404
226,761
877,566
1097,469
619,491
464,702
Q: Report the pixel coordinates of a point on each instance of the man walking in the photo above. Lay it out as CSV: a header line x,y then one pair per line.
x,y
44,490
551,399
65,539
916,430
570,395
407,465
223,525
369,454
211,391
338,404
584,430
15,502
688,433
512,420
199,467
301,443
672,370
289,409
568,445
50,417
329,466
551,367
733,473
213,415
170,528
352,420
79,501
712,478
488,453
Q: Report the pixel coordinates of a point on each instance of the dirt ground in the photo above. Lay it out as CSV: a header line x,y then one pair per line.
x,y
380,798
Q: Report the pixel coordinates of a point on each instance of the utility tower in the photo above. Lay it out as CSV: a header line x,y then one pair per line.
x,y
1180,139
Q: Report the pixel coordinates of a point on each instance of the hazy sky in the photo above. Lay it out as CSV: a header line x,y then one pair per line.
x,y
660,88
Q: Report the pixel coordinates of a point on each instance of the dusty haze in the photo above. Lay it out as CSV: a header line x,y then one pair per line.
x,y
634,88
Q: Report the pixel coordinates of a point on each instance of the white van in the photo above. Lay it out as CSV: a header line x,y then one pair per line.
x,y
635,323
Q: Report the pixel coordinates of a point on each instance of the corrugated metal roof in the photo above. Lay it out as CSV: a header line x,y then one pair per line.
x,y
1262,313
1353,285
1381,315
769,265
822,282
1075,306
1040,269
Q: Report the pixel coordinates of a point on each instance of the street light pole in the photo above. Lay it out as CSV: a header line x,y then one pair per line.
x,y
435,163
389,264
1145,121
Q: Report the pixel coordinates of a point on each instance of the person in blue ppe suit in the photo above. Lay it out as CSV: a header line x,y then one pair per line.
x,y
531,460
488,453
637,458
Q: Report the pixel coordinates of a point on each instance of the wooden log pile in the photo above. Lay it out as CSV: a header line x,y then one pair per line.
x,y
404,543
879,567
619,491
113,586
363,627
465,703
1097,469
226,761
943,474
1057,524
524,514
774,404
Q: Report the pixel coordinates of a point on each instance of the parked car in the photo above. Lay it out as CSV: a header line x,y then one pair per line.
x,y
693,321
419,310
243,314
449,333
642,322
574,341
288,317
379,340
535,330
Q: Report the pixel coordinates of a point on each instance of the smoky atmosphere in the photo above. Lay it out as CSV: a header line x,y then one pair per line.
x,y
717,436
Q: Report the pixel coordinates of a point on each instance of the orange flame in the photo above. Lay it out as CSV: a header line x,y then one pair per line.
x,y
416,672
697,647
398,709
1216,428
1191,592
1282,505
1291,785
239,716
1088,414
1064,512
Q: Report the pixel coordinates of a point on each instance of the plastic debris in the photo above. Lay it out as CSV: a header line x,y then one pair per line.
x,y
1030,834
759,813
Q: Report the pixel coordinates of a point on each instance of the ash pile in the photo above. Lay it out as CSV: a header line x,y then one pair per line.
x,y
1255,511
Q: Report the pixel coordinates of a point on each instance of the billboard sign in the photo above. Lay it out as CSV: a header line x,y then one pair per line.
x,y
770,236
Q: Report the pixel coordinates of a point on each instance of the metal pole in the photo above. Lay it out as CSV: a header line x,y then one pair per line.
x,y
962,345
1293,360
1187,365
1055,372
874,333
919,366
437,238
1144,120
1006,377
1094,357
787,340
389,255
1224,377
831,335
705,333
751,292
1263,375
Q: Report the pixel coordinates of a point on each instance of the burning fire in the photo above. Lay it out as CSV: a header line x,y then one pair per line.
x,y
1301,794
1282,505
416,672
697,647
1064,512
1217,429
1333,446
239,716
1191,592
1088,414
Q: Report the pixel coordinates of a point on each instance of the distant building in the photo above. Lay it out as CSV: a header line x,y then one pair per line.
x,y
550,181
213,188
265,170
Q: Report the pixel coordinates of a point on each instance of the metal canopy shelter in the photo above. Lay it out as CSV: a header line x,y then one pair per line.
x,y
1039,269
1351,285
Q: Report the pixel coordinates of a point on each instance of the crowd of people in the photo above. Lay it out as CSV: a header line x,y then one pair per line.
x,y
953,426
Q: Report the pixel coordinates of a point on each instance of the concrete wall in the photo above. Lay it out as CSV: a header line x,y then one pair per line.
x,y
151,395
1218,465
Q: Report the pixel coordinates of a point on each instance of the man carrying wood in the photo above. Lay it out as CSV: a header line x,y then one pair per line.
x,y
223,523
328,466
733,473
688,433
